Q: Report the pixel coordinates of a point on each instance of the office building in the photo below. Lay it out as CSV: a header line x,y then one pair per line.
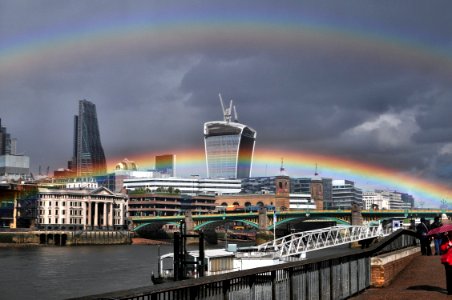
x,y
408,201
229,146
5,141
190,186
12,166
345,194
89,157
164,204
166,164
376,200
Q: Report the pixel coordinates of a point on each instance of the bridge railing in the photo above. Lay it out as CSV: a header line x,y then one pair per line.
x,y
331,277
302,242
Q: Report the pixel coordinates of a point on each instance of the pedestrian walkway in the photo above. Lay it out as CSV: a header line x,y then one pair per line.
x,y
423,278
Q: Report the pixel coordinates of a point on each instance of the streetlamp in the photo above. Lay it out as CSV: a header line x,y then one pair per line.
x,y
225,230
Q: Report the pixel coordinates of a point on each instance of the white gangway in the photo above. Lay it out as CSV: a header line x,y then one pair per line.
x,y
301,242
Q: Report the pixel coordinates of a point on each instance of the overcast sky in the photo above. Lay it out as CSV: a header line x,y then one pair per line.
x,y
364,80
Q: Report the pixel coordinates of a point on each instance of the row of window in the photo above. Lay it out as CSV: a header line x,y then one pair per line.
x,y
72,212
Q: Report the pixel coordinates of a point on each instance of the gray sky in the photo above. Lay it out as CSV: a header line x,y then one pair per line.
x,y
364,80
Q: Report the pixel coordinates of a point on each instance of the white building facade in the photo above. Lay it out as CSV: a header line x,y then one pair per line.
x,y
375,200
384,199
301,201
81,209
191,186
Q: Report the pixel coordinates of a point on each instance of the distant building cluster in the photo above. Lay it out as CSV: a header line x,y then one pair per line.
x,y
85,196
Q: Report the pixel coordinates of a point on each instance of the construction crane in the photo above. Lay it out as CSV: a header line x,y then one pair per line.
x,y
227,112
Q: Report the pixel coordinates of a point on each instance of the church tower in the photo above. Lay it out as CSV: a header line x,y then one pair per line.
x,y
282,190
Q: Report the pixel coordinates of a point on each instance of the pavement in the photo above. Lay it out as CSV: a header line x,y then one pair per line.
x,y
423,278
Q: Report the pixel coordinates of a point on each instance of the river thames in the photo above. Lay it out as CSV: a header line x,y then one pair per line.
x,y
64,272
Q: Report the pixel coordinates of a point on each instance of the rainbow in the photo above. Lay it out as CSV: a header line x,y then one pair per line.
x,y
302,164
195,31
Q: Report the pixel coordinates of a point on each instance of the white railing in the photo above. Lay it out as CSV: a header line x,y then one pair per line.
x,y
301,242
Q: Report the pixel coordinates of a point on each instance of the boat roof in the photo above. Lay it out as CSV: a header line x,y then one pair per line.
x,y
210,253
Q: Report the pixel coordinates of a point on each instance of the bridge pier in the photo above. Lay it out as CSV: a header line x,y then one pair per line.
x,y
357,217
263,220
189,224
262,234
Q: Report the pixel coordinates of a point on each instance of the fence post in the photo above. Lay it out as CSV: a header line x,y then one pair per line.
x,y
226,288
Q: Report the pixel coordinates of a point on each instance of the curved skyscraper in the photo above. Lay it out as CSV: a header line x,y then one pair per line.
x,y
229,146
89,157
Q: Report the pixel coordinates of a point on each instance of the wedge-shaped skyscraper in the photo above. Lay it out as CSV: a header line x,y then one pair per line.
x,y
89,157
229,146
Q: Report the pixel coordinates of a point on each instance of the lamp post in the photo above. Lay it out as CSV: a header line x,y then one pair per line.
x,y
274,226
225,230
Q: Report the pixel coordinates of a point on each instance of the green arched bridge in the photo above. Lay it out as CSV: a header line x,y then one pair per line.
x,y
253,218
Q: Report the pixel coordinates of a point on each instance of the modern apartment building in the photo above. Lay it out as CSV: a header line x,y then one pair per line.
x,y
229,146
88,158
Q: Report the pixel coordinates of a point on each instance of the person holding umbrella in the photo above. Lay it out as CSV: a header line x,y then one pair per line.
x,y
446,259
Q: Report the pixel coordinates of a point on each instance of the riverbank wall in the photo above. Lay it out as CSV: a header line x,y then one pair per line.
x,y
66,238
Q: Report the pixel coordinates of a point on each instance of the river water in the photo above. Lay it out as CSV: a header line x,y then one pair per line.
x,y
65,272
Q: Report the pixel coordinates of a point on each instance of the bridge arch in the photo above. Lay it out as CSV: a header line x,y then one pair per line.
x,y
204,224
337,220
143,225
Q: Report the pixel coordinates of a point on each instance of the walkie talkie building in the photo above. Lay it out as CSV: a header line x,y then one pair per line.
x,y
89,157
229,147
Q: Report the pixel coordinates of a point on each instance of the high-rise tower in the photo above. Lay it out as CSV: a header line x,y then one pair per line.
x,y
89,157
229,146
165,164
5,141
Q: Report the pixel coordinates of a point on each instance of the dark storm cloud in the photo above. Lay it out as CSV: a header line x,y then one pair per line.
x,y
336,100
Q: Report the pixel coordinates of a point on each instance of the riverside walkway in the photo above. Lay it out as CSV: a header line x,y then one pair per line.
x,y
423,278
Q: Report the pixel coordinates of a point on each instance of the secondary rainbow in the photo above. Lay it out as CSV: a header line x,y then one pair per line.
x,y
194,31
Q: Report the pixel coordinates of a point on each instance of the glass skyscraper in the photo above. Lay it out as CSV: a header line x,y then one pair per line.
x,y
89,157
229,147
5,141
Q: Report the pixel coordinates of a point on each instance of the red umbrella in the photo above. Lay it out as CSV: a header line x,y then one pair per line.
x,y
441,229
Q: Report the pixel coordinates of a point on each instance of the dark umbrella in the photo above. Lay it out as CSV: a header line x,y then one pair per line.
x,y
441,229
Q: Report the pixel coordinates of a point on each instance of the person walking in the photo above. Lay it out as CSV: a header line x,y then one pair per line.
x,y
446,259
437,238
422,229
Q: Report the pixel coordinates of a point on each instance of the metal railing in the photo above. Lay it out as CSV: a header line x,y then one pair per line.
x,y
330,277
301,242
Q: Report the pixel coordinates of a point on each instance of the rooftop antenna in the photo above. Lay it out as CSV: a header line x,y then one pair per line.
x,y
281,169
316,173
